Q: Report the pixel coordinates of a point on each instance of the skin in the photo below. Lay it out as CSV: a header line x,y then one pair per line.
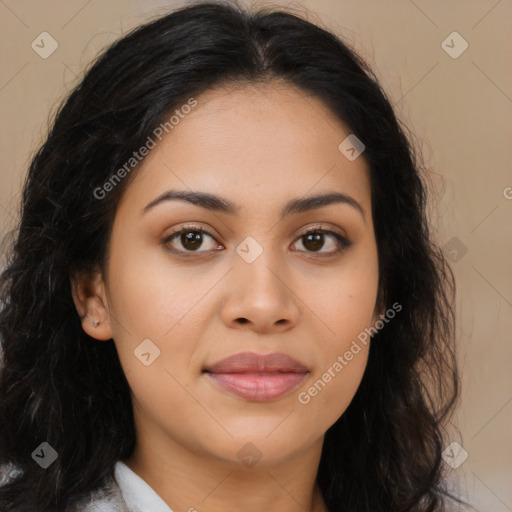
x,y
258,147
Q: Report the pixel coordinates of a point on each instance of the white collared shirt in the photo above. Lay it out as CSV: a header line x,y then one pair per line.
x,y
127,493
135,495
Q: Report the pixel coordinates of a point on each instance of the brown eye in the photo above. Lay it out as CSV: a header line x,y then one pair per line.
x,y
190,239
317,239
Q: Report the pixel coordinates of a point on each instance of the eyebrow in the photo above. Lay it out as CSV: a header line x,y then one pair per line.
x,y
219,204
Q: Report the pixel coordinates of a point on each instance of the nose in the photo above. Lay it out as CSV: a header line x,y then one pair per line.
x,y
261,297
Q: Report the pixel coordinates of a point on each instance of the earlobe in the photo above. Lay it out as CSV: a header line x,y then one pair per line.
x,y
89,296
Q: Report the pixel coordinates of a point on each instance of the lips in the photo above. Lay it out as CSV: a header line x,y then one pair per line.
x,y
257,377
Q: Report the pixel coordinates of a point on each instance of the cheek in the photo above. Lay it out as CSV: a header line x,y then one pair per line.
x,y
342,361
151,300
345,302
162,398
149,297
328,395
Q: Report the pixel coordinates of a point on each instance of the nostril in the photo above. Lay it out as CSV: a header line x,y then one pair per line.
x,y
243,320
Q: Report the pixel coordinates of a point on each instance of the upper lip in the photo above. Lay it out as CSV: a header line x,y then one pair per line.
x,y
251,362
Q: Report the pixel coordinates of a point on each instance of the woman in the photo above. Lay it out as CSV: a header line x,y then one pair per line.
x,y
223,293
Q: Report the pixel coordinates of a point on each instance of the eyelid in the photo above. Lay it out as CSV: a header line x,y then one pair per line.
x,y
323,229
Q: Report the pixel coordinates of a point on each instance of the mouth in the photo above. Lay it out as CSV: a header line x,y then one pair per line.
x,y
256,377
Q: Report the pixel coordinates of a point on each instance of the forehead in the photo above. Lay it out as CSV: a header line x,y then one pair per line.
x,y
270,139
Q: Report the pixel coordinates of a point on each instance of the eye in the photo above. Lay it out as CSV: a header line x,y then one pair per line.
x,y
316,239
191,239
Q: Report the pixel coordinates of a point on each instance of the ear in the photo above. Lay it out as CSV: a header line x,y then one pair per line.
x,y
89,296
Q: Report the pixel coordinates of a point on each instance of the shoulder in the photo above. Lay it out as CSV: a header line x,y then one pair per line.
x,y
107,499
102,501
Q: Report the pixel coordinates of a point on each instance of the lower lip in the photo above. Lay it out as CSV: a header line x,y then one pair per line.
x,y
258,387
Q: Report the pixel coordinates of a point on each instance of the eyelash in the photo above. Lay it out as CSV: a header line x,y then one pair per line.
x,y
343,242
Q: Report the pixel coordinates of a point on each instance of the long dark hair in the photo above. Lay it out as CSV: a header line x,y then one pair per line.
x,y
60,386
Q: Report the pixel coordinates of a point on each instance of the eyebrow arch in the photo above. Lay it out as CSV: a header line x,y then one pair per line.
x,y
216,203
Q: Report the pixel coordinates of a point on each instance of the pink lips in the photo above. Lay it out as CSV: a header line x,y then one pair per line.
x,y
256,377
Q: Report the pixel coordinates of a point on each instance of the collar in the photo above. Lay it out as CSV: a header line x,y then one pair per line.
x,y
137,494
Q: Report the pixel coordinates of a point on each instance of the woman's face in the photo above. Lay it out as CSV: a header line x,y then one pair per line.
x,y
252,284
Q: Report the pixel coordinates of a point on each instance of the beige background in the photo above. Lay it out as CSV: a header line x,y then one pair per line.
x,y
460,110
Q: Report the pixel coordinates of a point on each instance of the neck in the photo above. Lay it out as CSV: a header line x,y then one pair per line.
x,y
194,481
